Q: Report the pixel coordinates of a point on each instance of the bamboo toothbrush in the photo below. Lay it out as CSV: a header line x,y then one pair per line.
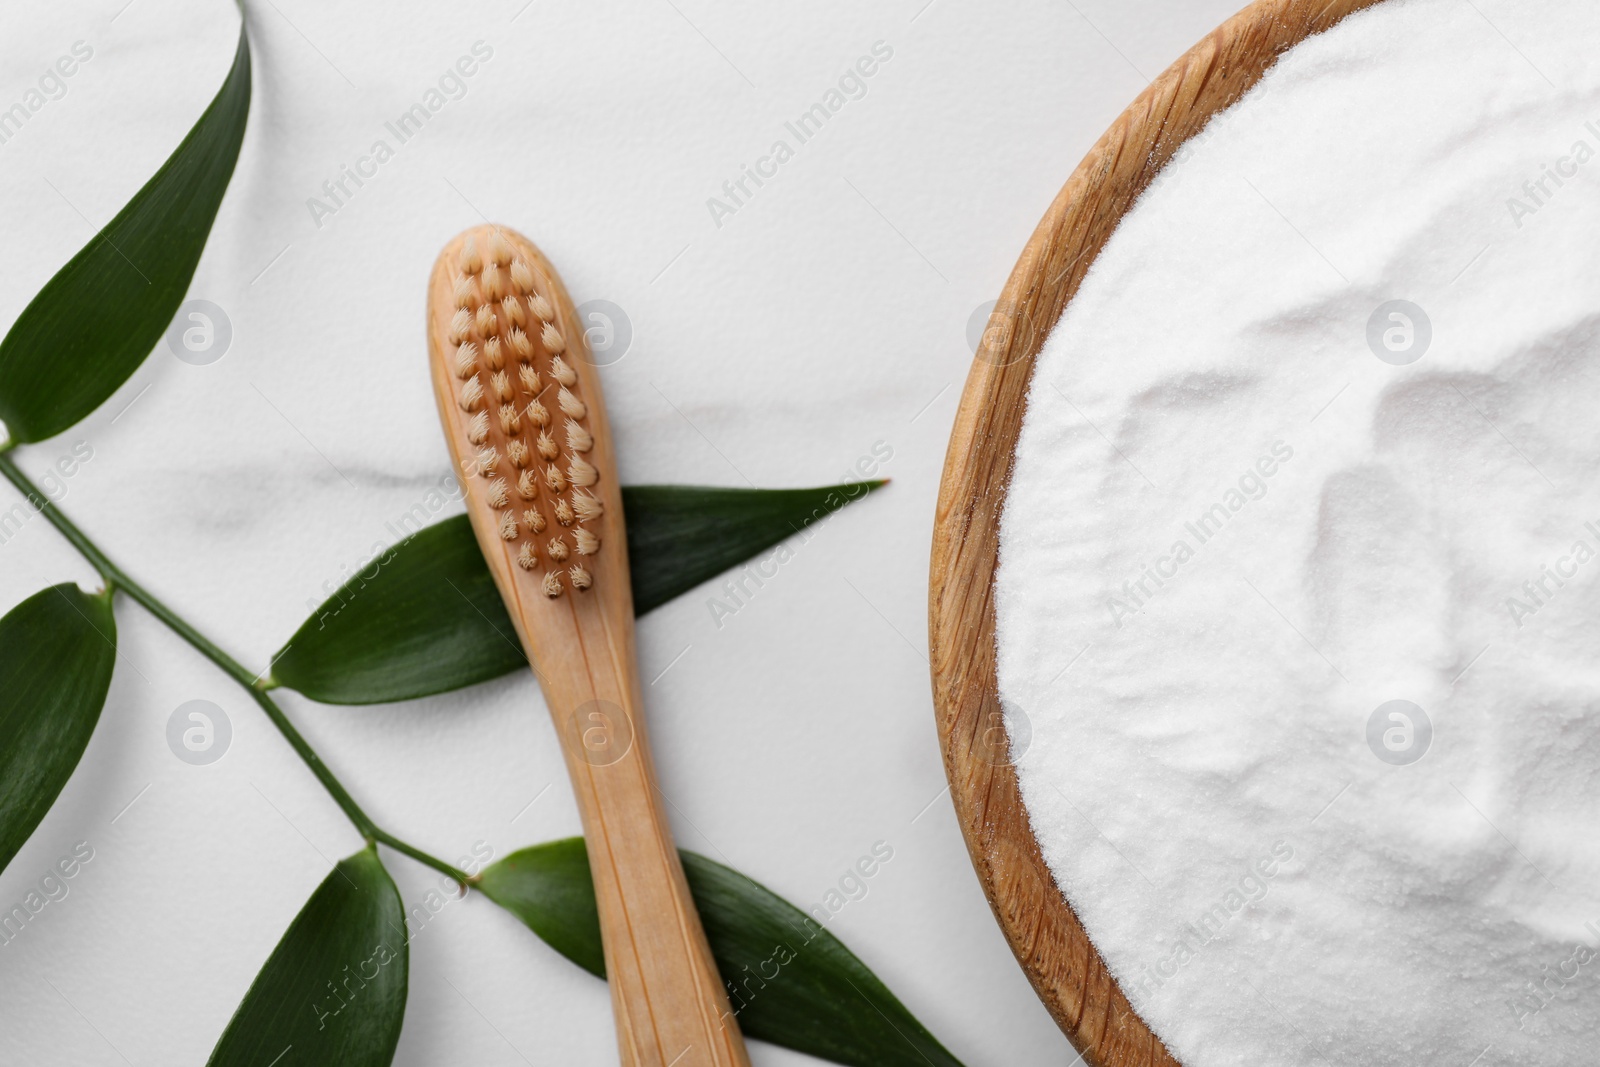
x,y
526,425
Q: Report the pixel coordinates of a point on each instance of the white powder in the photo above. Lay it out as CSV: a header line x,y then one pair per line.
x,y
1269,886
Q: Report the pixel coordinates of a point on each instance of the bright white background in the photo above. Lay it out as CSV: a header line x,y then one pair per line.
x,y
828,314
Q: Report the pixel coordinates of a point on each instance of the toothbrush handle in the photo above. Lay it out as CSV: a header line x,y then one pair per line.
x,y
560,561
668,999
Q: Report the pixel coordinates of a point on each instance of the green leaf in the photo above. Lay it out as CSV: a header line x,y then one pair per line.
x,y
57,649
550,889
426,617
680,535
93,324
334,990
791,982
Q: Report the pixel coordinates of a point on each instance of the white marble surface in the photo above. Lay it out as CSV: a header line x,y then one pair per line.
x,y
827,314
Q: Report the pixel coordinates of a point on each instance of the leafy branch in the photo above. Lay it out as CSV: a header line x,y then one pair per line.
x,y
116,580
428,620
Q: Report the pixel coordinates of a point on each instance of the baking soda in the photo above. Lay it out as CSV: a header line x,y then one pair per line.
x,y
1297,600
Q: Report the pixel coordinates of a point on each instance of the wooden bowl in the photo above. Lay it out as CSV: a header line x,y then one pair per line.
x,y
1065,968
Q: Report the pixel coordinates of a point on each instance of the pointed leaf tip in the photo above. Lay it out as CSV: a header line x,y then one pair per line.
x,y
682,535
94,323
333,993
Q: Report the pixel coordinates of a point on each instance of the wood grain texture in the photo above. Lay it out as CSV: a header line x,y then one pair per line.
x,y
670,1006
1065,968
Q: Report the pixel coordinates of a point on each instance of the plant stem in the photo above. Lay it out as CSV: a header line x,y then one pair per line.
x,y
117,580
85,547
382,835
303,749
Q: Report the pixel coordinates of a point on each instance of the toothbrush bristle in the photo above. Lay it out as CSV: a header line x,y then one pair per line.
x,y
520,344
521,277
587,506
571,406
505,349
580,472
511,308
552,339
499,249
578,439
494,286
471,393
